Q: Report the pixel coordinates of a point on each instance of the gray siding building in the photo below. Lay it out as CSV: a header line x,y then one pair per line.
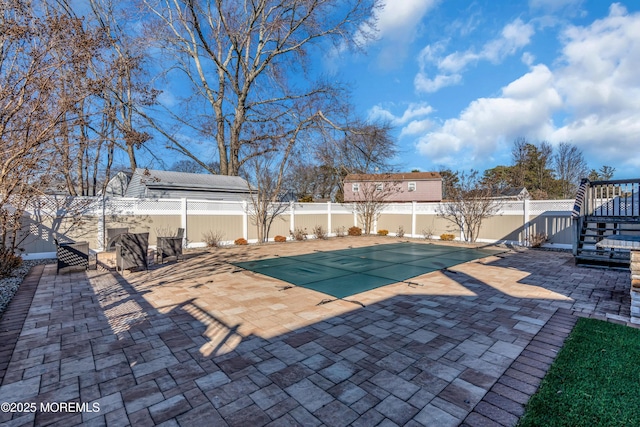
x,y
156,184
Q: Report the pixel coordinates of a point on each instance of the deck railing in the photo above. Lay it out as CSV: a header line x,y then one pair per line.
x,y
615,198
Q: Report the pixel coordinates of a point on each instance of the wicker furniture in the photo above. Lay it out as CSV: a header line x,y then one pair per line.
x,y
113,237
72,254
131,251
169,247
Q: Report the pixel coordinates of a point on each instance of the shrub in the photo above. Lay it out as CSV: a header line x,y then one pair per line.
x,y
319,232
298,234
280,239
428,233
400,232
383,232
340,231
447,237
355,231
240,241
213,238
8,261
536,240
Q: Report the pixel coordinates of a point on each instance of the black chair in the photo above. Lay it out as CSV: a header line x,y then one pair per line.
x,y
131,251
169,247
113,237
72,254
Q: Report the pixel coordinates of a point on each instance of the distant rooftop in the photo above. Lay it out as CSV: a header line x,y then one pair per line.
x,y
183,180
403,176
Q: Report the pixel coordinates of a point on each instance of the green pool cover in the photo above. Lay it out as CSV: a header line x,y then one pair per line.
x,y
350,271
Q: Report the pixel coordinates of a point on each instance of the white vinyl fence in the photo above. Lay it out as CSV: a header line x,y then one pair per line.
x,y
89,219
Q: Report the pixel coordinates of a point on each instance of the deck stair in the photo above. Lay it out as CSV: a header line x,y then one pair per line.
x,y
603,209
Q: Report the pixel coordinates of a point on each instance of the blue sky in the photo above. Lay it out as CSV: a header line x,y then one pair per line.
x,y
461,80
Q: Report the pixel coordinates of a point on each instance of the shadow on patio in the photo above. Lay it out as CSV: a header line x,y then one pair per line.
x,y
201,342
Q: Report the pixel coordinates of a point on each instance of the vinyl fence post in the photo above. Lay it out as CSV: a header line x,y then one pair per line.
x,y
183,220
414,205
245,221
329,218
101,224
355,215
292,216
526,225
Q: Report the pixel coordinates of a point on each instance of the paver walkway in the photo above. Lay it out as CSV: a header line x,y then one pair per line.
x,y
201,342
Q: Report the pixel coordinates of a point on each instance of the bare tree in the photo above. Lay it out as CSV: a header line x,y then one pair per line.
x,y
266,202
374,194
248,65
469,204
570,168
29,114
363,147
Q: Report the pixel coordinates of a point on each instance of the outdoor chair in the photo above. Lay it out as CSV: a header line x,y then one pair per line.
x,y
113,237
72,254
131,251
169,247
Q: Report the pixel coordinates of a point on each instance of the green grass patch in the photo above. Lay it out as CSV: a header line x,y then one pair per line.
x,y
594,381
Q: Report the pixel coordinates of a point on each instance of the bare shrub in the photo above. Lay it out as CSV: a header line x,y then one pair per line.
x,y
213,238
319,232
538,239
8,262
340,231
400,231
428,233
298,234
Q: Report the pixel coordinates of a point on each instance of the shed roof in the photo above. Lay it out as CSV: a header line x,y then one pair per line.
x,y
183,180
403,176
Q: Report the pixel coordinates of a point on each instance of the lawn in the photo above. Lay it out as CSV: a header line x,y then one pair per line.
x,y
594,381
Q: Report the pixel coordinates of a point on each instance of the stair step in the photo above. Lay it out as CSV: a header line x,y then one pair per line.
x,y
586,261
613,219
593,254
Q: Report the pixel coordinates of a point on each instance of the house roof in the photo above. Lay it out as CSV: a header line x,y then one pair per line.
x,y
512,191
191,181
405,176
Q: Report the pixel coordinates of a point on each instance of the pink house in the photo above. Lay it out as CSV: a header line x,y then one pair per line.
x,y
395,187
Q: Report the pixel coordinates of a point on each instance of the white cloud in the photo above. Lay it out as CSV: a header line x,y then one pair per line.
x,y
414,120
601,85
416,127
397,24
513,37
397,20
423,83
524,108
595,87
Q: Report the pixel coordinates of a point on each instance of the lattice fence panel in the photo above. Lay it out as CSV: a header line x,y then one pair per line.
x,y
539,207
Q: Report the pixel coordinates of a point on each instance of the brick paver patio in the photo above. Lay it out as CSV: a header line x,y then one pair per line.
x,y
200,342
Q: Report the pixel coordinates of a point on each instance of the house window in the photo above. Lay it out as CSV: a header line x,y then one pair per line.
x,y
379,187
411,186
355,187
